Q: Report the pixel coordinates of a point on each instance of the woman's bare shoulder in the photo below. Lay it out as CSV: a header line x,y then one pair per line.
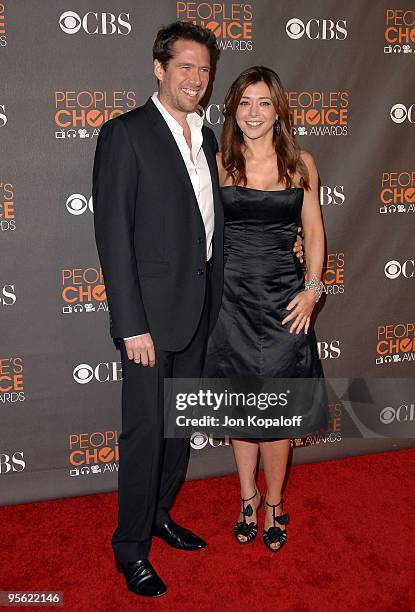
x,y
307,158
308,161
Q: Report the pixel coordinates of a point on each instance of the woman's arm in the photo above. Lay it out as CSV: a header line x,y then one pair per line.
x,y
302,305
312,222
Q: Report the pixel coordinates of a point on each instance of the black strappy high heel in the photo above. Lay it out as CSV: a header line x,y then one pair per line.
x,y
242,528
275,534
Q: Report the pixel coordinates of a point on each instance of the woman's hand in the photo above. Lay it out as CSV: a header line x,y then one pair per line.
x,y
302,307
298,246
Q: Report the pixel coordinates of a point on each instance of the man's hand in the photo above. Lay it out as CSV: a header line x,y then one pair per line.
x,y
298,246
141,350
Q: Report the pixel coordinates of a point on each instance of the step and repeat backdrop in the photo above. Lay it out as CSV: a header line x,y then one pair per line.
x,y
67,66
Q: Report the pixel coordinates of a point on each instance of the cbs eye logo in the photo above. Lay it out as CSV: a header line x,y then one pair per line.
x,y
198,440
295,28
70,22
83,373
394,268
402,414
76,204
400,113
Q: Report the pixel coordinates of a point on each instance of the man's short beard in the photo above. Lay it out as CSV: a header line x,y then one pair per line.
x,y
174,102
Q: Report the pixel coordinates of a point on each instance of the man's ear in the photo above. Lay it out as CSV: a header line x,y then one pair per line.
x,y
158,70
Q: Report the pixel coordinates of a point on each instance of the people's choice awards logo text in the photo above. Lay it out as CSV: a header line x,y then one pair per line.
x,y
11,380
395,343
231,22
80,114
399,31
83,290
93,453
333,273
319,113
3,33
7,207
397,193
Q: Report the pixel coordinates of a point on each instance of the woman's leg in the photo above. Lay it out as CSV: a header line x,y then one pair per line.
x,y
274,459
246,459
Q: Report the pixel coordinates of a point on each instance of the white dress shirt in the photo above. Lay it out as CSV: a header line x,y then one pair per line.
x,y
197,167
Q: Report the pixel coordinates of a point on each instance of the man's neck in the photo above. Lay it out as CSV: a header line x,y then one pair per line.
x,y
180,116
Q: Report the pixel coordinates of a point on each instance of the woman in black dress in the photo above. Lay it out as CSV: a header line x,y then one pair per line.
x,y
268,184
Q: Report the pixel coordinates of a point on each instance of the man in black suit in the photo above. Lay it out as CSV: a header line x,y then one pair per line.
x,y
159,233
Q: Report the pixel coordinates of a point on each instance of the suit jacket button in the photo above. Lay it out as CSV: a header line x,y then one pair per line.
x,y
199,240
200,272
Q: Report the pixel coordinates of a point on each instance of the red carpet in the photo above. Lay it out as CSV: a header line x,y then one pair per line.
x,y
350,545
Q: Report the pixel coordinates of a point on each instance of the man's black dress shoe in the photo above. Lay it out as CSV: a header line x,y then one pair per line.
x,y
177,536
142,578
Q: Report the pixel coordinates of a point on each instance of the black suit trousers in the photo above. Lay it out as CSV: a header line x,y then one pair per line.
x,y
152,468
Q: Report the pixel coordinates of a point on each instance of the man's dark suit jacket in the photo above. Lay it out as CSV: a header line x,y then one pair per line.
x,y
149,230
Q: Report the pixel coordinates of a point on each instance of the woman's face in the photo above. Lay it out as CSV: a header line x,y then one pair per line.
x,y
256,114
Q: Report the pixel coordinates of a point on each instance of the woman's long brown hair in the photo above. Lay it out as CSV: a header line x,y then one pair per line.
x,y
288,152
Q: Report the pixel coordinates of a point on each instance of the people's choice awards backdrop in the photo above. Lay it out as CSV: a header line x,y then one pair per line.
x,y
66,66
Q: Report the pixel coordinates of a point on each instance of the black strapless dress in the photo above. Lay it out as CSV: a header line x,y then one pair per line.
x,y
249,346
262,275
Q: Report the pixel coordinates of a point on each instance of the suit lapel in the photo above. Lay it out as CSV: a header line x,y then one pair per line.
x,y
211,160
217,201
169,145
179,167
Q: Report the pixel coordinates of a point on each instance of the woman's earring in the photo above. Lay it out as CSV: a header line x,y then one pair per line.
x,y
277,127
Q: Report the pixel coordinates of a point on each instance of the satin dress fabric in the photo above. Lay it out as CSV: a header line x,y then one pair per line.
x,y
262,275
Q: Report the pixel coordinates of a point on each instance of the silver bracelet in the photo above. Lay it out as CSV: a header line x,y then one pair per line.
x,y
316,285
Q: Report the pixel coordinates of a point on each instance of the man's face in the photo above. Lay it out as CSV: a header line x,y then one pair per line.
x,y
185,80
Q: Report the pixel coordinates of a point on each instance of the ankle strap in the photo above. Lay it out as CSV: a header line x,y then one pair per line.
x,y
249,498
273,505
247,510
